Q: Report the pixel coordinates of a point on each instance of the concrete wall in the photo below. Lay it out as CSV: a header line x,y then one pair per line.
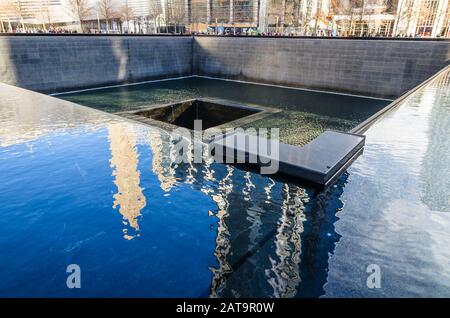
x,y
55,63
382,68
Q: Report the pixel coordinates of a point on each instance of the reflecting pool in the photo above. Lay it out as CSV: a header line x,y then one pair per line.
x,y
304,114
82,187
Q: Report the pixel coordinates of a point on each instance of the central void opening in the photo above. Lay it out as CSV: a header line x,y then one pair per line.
x,y
212,113
301,115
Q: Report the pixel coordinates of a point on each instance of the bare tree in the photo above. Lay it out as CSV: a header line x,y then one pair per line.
x,y
351,11
106,11
389,7
178,18
80,10
287,13
154,12
293,8
404,14
3,15
445,15
277,12
196,18
344,9
426,12
14,9
317,16
362,9
175,12
197,14
43,14
126,14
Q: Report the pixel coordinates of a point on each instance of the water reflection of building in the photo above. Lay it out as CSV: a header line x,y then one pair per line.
x,y
223,244
23,122
436,165
124,159
284,275
161,163
260,227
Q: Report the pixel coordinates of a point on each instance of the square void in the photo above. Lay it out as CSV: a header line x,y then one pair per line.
x,y
212,113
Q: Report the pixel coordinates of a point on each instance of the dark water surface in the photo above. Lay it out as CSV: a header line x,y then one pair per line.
x,y
305,114
82,187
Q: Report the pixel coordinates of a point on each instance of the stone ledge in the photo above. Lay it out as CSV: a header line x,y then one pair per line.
x,y
320,162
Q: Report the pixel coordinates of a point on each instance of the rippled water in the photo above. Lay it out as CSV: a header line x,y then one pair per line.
x,y
304,114
82,187
397,203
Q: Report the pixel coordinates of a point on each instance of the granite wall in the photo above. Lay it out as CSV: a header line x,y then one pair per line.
x,y
56,63
380,68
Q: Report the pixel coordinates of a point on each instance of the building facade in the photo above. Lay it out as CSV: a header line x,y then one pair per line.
x,y
368,18
276,16
29,14
427,18
204,15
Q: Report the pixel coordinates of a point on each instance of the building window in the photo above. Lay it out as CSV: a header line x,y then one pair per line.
x,y
445,31
427,17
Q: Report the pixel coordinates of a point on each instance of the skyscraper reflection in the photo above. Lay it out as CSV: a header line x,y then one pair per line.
x,y
261,245
124,160
284,275
162,166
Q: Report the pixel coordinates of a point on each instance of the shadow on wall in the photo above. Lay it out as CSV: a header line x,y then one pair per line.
x,y
50,64
379,68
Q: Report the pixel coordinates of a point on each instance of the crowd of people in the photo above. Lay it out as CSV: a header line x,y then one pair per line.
x,y
50,30
229,31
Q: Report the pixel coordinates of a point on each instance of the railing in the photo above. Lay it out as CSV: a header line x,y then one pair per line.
x,y
232,36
